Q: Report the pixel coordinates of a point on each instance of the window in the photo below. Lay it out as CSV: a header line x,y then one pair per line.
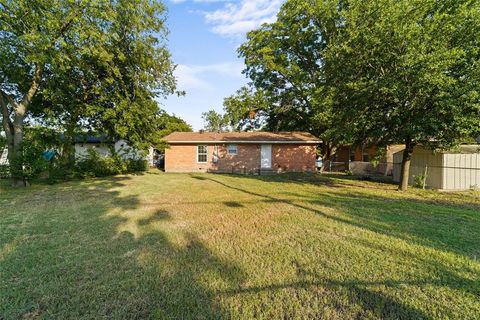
x,y
352,154
232,149
202,153
365,155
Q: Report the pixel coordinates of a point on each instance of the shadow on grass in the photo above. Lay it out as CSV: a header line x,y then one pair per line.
x,y
438,224
75,264
442,228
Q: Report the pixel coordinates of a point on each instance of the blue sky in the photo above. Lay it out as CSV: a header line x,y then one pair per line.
x,y
204,37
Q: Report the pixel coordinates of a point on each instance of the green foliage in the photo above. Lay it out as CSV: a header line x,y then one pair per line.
x,y
30,159
137,165
419,180
92,164
85,65
406,71
284,60
246,109
379,156
214,121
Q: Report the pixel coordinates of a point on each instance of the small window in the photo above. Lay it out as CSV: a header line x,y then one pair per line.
x,y
202,153
365,156
232,149
352,154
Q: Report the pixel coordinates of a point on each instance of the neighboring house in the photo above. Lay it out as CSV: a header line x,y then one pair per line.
x,y
445,170
240,152
83,143
359,159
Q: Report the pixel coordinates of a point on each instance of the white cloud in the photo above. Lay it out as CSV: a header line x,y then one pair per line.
x,y
196,76
235,20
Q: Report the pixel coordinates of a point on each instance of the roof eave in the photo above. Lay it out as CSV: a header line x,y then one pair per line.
x,y
247,142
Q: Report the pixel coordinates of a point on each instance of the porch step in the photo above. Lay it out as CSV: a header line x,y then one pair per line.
x,y
266,172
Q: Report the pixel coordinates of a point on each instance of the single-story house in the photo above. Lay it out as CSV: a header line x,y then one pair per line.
x,y
85,142
240,152
457,169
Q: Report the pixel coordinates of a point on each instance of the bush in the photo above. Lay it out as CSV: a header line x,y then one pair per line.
x,y
4,171
419,180
95,165
137,165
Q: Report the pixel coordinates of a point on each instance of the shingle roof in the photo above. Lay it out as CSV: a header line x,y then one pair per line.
x,y
242,137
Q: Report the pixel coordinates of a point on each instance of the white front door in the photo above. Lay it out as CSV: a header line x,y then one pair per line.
x,y
266,156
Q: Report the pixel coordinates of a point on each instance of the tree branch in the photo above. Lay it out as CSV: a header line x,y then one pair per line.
x,y
22,106
6,122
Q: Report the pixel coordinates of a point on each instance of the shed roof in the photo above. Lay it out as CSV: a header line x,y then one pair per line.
x,y
242,137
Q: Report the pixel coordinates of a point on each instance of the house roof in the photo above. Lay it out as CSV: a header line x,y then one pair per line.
x,y
242,137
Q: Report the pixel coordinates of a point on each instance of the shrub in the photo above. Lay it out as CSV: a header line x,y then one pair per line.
x,y
4,171
137,165
419,180
95,165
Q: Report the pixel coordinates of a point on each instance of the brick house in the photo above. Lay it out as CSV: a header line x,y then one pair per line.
x,y
357,159
240,152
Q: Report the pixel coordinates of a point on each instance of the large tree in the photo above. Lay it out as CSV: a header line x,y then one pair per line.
x,y
247,109
214,121
285,61
97,62
407,71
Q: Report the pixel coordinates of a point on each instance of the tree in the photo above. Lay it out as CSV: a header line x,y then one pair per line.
x,y
285,61
246,109
98,63
214,121
167,124
407,71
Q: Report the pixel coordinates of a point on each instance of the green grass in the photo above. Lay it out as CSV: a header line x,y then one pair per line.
x,y
202,246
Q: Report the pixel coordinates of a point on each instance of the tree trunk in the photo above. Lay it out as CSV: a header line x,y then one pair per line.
x,y
405,172
68,144
15,157
327,150
14,129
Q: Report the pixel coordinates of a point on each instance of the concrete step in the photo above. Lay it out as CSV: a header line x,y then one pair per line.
x,y
266,172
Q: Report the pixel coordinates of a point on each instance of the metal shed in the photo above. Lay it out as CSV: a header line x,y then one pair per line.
x,y
445,170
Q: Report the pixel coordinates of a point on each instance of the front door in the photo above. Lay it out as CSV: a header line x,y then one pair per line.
x,y
266,156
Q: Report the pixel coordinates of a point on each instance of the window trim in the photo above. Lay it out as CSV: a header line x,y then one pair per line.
x,y
206,153
228,149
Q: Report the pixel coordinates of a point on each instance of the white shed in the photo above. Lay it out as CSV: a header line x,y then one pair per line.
x,y
445,170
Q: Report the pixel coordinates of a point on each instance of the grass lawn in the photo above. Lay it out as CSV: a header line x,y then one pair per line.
x,y
202,246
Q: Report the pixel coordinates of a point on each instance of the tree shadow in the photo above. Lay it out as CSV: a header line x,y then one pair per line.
x,y
73,262
233,204
440,225
69,259
437,231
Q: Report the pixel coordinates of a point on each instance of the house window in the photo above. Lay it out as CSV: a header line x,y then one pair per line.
x,y
352,154
202,153
365,156
232,149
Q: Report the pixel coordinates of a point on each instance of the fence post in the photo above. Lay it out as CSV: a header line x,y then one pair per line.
x,y
425,176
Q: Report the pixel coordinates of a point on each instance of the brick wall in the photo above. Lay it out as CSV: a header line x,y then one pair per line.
x,y
293,158
183,158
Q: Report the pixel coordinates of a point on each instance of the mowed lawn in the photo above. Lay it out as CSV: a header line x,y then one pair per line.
x,y
205,246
